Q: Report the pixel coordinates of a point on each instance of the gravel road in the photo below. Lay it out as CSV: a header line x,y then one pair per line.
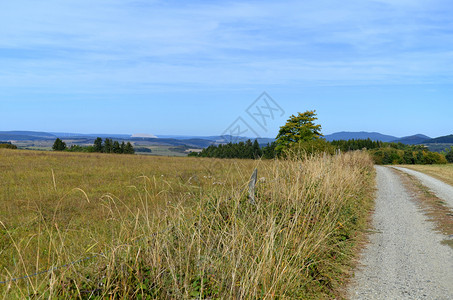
x,y
439,188
405,258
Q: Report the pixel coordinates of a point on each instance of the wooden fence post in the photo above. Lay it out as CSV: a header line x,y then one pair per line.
x,y
252,186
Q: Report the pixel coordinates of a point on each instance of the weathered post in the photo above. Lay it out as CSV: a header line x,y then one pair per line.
x,y
252,185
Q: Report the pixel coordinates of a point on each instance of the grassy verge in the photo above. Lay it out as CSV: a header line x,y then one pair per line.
x,y
441,172
180,227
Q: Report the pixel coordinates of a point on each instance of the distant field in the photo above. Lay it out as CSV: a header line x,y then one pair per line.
x,y
164,151
157,150
439,147
171,227
441,172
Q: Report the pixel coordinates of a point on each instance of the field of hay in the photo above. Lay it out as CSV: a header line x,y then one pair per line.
x,y
157,227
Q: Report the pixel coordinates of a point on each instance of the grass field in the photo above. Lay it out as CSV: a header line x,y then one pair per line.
x,y
165,151
441,172
179,227
157,150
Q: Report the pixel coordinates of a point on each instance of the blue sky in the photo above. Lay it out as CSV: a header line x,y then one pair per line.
x,y
194,67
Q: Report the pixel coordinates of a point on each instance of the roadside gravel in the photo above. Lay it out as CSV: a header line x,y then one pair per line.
x,y
439,188
405,258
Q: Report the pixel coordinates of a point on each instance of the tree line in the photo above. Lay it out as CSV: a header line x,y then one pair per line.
x,y
368,144
301,135
99,146
383,153
237,150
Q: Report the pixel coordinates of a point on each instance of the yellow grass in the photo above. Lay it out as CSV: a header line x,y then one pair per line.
x,y
441,172
179,227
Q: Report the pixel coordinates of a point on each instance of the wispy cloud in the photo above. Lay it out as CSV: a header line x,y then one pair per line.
x,y
135,45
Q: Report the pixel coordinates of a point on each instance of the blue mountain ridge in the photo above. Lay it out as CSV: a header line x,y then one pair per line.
x,y
203,141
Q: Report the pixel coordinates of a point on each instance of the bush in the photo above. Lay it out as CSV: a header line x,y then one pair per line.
x,y
312,147
77,148
449,155
392,156
431,158
8,146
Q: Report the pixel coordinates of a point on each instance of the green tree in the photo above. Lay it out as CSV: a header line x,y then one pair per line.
x,y
59,145
269,151
123,147
116,148
408,157
449,155
248,149
129,149
98,145
108,146
298,128
257,152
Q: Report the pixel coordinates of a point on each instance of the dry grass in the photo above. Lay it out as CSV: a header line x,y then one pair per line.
x,y
179,227
441,172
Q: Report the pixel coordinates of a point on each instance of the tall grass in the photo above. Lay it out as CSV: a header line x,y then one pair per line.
x,y
205,239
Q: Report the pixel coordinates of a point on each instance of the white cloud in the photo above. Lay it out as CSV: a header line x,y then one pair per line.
x,y
134,44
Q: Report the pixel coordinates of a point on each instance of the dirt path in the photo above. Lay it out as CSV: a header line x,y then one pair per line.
x,y
405,258
439,188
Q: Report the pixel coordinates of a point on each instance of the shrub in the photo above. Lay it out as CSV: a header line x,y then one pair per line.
x,y
392,156
449,155
8,146
312,147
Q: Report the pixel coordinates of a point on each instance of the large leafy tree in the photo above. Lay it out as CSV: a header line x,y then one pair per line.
x,y
300,128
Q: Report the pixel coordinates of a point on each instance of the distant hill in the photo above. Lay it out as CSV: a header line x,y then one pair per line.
x,y
25,135
205,141
219,139
362,135
196,143
68,135
143,135
448,139
144,139
413,139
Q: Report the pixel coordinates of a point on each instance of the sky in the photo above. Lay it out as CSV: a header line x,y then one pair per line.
x,y
200,67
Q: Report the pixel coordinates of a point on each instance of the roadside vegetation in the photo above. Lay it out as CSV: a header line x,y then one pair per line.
x,y
179,227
